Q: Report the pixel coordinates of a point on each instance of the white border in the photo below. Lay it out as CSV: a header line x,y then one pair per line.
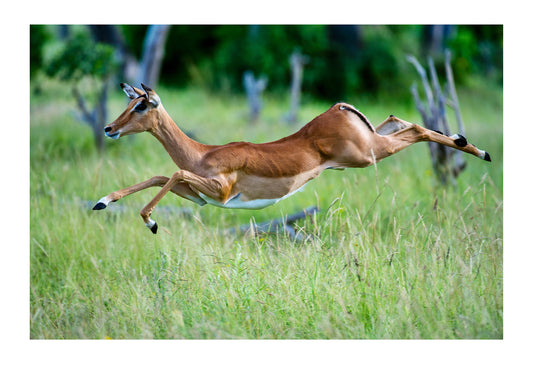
x,y
296,358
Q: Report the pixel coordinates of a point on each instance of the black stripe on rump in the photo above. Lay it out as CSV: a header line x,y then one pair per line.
x,y
361,116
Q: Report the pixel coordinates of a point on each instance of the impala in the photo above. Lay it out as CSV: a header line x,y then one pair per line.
x,y
253,176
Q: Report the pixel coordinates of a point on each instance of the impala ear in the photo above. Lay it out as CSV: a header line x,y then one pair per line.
x,y
153,98
130,91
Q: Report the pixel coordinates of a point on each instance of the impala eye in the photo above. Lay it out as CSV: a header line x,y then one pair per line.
x,y
140,107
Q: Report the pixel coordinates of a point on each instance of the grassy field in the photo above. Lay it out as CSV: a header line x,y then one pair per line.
x,y
390,254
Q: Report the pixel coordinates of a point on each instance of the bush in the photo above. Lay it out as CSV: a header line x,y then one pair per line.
x,y
344,59
39,37
478,50
80,56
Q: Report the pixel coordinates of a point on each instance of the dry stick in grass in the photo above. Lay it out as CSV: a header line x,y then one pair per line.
x,y
280,225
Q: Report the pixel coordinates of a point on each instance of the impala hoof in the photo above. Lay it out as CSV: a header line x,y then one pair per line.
x,y
487,157
152,225
459,140
99,206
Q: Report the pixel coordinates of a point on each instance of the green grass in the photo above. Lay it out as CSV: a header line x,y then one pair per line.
x,y
390,255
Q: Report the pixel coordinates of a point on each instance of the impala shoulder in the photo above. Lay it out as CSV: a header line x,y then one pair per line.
x,y
224,158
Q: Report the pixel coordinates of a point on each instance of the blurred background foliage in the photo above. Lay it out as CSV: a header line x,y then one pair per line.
x,y
344,60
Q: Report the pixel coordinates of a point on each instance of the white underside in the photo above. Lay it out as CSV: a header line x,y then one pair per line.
x,y
236,202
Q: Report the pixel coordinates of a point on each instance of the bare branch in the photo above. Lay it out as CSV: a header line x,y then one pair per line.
x,y
419,105
97,118
297,61
87,116
460,163
440,109
422,73
447,163
426,118
453,93
153,53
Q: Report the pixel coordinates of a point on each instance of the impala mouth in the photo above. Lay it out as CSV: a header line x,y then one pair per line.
x,y
113,136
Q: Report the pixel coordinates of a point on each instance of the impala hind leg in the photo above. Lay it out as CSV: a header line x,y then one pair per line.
x,y
180,189
392,125
403,137
209,186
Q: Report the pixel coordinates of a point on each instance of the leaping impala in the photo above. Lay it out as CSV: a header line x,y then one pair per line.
x,y
253,176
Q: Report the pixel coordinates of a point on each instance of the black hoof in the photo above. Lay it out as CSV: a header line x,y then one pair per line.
x,y
460,141
154,228
487,157
99,206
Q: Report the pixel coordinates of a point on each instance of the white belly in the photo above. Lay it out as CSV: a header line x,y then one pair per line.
x,y
236,202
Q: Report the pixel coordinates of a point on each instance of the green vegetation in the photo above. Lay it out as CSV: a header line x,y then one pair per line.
x,y
344,59
390,255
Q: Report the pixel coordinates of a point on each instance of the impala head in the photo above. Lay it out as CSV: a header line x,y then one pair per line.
x,y
141,114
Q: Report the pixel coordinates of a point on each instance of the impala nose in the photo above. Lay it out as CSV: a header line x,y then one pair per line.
x,y
107,129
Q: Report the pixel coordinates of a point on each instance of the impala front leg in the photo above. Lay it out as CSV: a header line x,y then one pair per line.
x,y
209,186
116,195
181,189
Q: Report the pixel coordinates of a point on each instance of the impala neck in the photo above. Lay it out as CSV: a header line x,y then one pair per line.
x,y
183,150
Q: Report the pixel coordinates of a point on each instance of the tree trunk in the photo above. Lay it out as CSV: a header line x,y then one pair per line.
x,y
153,53
96,118
297,61
434,39
100,116
254,89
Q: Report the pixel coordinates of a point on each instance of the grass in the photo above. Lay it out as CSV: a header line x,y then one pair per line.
x,y
390,255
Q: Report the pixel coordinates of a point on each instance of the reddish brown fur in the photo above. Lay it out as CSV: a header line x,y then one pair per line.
x,y
339,138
